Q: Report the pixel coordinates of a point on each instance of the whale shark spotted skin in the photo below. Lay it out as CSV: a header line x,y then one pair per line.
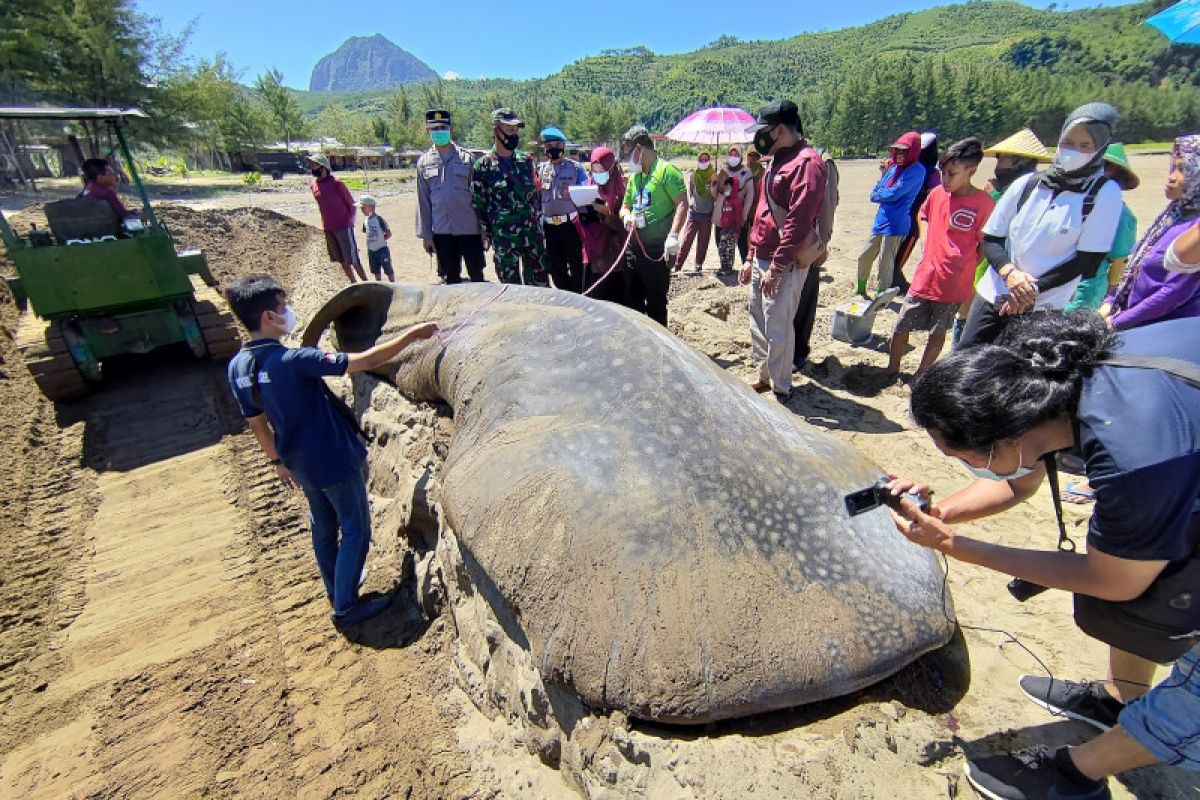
x,y
669,543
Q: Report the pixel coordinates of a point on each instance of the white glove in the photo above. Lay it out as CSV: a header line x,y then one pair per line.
x,y
671,246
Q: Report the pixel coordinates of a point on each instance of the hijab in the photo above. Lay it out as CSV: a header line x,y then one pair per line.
x,y
912,141
613,192
1186,154
704,176
1100,119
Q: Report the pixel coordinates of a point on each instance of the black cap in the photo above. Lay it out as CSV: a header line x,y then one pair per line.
x,y
437,116
777,112
638,135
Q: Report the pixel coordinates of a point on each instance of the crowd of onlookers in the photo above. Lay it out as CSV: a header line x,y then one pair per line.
x,y
1032,276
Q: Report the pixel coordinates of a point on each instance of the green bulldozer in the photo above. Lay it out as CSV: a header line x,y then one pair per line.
x,y
94,286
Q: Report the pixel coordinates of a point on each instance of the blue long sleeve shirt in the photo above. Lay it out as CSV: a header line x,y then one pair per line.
x,y
894,217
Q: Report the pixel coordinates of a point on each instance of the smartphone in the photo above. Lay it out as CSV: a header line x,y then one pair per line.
x,y
877,495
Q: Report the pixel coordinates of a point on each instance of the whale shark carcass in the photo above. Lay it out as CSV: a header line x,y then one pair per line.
x,y
670,544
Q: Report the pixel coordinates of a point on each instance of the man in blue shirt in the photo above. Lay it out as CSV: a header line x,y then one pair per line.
x,y
302,428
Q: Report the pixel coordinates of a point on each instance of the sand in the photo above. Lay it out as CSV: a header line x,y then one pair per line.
x,y
163,632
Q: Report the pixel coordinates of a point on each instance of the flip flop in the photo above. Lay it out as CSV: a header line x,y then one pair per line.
x,y
1074,494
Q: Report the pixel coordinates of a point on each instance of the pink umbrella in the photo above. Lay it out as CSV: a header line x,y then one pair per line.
x,y
715,126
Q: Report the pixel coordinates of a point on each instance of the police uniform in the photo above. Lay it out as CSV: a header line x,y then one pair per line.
x,y
507,204
445,212
564,246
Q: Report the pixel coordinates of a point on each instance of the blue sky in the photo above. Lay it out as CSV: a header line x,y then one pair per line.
x,y
478,39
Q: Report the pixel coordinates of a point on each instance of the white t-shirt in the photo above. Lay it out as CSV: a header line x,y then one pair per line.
x,y
1173,263
1047,232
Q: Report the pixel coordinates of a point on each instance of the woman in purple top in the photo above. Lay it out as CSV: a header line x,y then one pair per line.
x,y
1148,292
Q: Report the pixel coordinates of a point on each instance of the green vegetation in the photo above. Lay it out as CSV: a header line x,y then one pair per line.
x,y
976,68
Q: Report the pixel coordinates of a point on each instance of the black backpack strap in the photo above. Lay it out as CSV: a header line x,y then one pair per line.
x,y
1020,588
1030,185
1187,371
1089,198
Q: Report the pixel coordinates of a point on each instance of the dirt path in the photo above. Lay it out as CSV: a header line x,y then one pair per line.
x,y
164,633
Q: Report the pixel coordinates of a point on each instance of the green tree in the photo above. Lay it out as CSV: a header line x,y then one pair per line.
x,y
287,120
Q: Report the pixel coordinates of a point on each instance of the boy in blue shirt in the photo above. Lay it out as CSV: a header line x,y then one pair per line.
x,y
310,441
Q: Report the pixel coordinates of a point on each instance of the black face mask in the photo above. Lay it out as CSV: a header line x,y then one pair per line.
x,y
555,153
763,141
317,172
508,140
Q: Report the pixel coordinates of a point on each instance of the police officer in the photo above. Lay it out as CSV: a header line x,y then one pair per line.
x,y
446,221
564,247
508,205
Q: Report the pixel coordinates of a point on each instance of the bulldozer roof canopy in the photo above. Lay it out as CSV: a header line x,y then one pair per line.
x,y
53,112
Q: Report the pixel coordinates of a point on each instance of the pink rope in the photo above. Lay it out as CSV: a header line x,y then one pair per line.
x,y
447,337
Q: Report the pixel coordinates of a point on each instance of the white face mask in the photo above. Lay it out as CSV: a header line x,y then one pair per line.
x,y
600,178
734,161
289,319
987,474
635,163
1071,160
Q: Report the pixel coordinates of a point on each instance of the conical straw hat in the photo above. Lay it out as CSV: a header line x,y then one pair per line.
x,y
1115,155
1024,144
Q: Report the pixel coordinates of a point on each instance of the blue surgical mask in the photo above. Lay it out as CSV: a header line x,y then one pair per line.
x,y
987,474
440,138
600,177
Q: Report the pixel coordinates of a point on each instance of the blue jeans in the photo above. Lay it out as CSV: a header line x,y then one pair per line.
x,y
343,505
1166,720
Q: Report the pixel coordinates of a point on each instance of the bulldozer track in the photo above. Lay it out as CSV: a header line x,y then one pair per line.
x,y
45,353
217,325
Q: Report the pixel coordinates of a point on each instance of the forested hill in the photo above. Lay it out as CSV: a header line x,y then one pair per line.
x,y
980,68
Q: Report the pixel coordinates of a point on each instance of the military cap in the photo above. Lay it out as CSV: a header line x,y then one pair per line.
x,y
553,133
506,116
437,116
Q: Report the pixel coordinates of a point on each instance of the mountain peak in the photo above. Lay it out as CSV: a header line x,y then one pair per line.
x,y
368,62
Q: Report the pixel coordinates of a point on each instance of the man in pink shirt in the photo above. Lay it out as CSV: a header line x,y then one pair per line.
x,y
791,195
100,180
337,217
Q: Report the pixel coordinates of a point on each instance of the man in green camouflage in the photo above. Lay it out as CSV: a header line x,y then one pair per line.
x,y
505,193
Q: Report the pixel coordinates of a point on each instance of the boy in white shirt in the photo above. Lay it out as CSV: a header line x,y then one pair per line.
x,y
379,256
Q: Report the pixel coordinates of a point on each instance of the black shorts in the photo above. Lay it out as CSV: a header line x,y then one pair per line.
x,y
342,247
380,261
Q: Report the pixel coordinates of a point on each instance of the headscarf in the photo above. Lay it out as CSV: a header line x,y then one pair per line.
x,y
704,176
1186,154
912,141
929,151
1100,119
613,192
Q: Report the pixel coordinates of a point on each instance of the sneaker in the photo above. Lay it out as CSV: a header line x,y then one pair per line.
x,y
783,397
1087,702
1027,775
361,612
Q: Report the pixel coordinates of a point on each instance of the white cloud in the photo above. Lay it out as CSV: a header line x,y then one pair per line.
x,y
450,75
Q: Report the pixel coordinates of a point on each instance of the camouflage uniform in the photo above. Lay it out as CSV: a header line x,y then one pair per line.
x,y
508,205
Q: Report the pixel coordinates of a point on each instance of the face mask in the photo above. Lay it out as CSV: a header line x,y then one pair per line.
x,y
509,140
555,153
635,164
289,319
734,161
1071,160
1007,176
316,172
987,474
600,178
440,138
763,141
703,164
